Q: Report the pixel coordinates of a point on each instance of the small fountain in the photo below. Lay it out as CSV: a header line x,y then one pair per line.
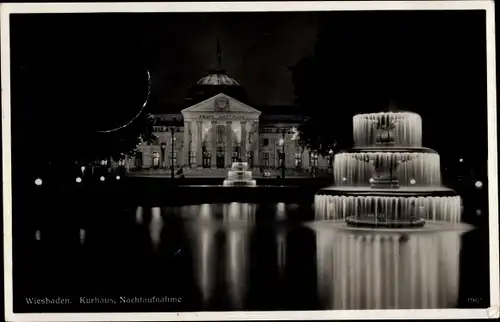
x,y
239,176
388,180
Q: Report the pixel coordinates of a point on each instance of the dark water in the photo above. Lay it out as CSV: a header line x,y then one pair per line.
x,y
235,256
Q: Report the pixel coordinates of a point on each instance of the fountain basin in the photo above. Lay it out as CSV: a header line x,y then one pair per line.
x,y
390,208
359,167
404,191
388,179
391,149
239,183
369,222
387,233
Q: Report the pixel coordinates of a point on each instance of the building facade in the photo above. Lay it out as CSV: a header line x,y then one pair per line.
x,y
218,129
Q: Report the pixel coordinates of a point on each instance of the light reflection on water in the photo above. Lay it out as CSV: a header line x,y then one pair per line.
x,y
388,271
355,270
156,226
254,257
235,227
82,235
139,212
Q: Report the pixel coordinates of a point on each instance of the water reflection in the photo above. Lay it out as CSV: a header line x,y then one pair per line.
x,y
82,236
237,264
237,212
280,211
242,256
204,258
139,212
391,271
281,249
354,270
155,226
222,242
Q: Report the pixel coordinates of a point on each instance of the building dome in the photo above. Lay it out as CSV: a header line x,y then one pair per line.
x,y
217,81
218,77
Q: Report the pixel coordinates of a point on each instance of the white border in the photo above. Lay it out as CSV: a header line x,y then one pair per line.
x,y
492,312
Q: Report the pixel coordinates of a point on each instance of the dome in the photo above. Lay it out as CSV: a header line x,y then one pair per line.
x,y
218,77
217,81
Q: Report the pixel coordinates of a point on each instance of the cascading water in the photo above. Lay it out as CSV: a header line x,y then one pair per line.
x,y
387,270
239,176
388,179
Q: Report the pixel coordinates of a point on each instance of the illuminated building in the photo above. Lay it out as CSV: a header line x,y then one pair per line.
x,y
219,127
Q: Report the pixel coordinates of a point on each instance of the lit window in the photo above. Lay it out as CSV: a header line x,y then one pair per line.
x,y
207,158
266,159
192,158
156,159
314,160
298,160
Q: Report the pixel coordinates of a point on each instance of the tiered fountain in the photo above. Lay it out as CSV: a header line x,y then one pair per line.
x,y
239,176
388,179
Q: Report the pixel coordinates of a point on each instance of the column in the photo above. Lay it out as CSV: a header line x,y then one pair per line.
x,y
186,144
243,145
213,160
256,145
147,157
229,144
199,151
168,149
174,146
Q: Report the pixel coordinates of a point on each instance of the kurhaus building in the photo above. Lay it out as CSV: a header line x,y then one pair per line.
x,y
219,127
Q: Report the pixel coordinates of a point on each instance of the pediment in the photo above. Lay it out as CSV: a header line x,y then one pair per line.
x,y
220,104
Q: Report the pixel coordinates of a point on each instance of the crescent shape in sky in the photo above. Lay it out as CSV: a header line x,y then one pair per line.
x,y
136,116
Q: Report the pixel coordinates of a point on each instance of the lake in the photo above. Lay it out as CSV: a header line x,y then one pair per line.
x,y
100,257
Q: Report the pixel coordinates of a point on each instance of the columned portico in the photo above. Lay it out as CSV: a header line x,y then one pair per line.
x,y
213,157
186,142
244,140
213,115
199,138
229,143
255,144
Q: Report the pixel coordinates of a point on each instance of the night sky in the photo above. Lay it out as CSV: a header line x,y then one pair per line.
x,y
179,49
73,70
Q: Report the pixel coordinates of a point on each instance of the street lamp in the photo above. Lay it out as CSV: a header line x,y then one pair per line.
x,y
172,129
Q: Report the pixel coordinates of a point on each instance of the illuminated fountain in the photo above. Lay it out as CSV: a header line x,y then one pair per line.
x,y
367,271
239,176
388,179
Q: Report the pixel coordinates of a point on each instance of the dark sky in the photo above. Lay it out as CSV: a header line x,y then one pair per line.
x,y
257,51
91,67
179,48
